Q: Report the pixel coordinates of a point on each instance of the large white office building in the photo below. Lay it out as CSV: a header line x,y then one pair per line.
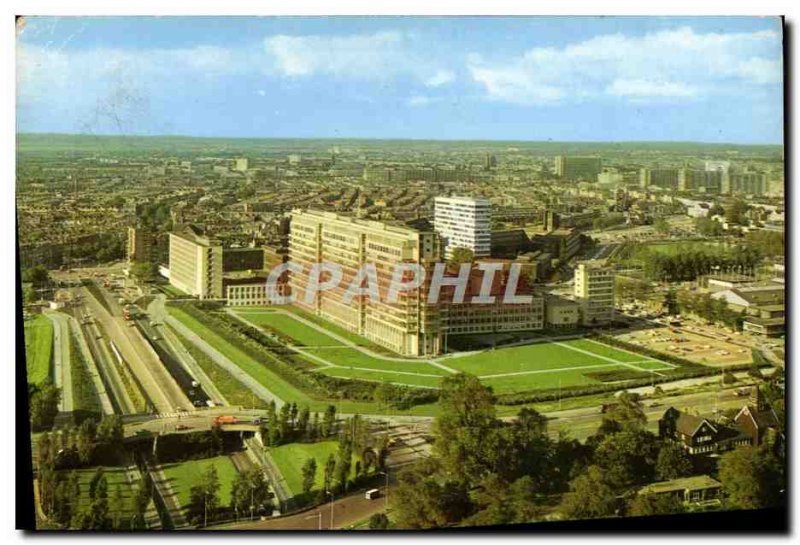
x,y
464,222
594,292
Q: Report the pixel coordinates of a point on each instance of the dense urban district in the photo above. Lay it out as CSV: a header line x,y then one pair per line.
x,y
641,372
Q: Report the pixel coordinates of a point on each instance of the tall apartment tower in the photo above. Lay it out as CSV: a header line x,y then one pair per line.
x,y
464,222
409,326
141,245
195,263
594,291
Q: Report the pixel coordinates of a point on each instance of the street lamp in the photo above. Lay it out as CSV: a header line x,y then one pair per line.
x,y
318,516
332,498
386,497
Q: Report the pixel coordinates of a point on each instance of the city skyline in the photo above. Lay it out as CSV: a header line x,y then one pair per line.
x,y
517,79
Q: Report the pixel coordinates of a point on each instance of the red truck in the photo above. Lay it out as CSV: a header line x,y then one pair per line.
x,y
220,420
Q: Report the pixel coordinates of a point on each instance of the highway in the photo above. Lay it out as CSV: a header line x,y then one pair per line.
x,y
106,362
158,312
162,390
106,405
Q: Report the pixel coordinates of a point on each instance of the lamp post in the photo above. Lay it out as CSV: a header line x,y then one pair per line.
x,y
318,516
332,498
386,496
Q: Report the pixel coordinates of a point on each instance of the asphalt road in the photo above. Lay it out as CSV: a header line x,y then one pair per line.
x,y
62,368
106,362
346,512
162,390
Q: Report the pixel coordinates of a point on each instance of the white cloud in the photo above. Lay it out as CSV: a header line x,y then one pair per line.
x,y
441,77
640,88
423,100
677,63
376,56
353,55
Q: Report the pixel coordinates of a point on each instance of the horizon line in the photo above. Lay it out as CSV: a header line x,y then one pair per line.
x,y
397,139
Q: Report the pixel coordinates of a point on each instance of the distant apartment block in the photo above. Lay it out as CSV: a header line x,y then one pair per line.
x,y
578,168
701,181
141,245
718,166
665,178
594,292
464,222
240,164
750,183
195,263
408,326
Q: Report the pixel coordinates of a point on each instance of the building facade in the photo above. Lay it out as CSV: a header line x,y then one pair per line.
x,y
464,222
141,245
594,292
195,264
409,326
578,168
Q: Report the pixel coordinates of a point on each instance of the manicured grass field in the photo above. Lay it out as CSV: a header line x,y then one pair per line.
x,y
184,475
115,477
38,348
255,369
290,459
350,357
300,332
394,378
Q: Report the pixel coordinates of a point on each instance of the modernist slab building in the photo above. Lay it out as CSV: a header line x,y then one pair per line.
x,y
594,291
464,222
195,263
409,326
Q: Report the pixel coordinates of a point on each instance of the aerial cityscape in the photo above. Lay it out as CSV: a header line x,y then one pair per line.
x,y
283,300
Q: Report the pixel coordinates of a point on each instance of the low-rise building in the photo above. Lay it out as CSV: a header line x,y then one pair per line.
x,y
699,489
561,312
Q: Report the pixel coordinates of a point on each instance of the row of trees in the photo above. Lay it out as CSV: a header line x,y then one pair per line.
x,y
291,424
704,306
692,261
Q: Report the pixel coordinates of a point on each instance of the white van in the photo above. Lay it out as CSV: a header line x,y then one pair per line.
x,y
372,494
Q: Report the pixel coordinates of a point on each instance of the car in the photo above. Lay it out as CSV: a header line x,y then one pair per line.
x,y
181,427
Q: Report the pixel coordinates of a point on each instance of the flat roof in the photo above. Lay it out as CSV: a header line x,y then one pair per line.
x,y
686,483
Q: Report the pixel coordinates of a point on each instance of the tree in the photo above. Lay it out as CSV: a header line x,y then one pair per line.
x,y
423,499
590,496
330,465
378,521
37,275
461,255
751,478
43,405
204,498
628,411
735,213
627,457
646,505
673,462
329,421
671,302
144,271
661,225
309,473
465,423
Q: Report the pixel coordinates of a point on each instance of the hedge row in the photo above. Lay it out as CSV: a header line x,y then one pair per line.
x,y
295,370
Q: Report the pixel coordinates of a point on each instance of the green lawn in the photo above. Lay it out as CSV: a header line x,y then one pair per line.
x,y
530,357
290,459
255,369
184,475
229,386
115,477
397,378
38,348
287,325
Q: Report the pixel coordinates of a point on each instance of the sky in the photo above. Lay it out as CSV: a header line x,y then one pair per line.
x,y
710,79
